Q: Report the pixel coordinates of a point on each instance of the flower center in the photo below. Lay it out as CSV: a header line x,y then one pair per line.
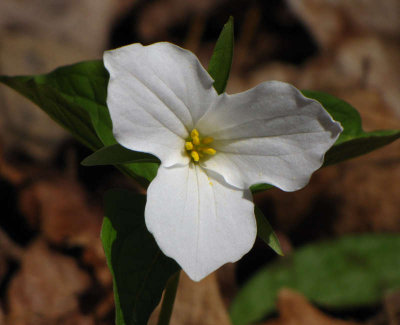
x,y
197,146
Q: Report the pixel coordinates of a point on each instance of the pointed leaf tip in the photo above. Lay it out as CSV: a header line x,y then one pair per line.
x,y
266,233
221,59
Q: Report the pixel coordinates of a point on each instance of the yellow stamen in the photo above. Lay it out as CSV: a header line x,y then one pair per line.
x,y
196,140
195,155
207,140
194,133
209,151
196,146
189,146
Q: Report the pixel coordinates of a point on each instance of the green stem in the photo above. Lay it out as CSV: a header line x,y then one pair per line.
x,y
168,300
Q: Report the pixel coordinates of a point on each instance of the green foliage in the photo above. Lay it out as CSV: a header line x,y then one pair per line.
x,y
348,272
266,233
140,271
220,63
117,154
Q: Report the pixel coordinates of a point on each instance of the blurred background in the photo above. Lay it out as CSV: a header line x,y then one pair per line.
x,y
52,267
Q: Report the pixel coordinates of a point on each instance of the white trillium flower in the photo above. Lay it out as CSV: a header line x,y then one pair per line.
x,y
212,148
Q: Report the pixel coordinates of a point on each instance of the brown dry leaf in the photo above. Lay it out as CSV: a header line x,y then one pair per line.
x,y
59,206
294,309
197,303
46,287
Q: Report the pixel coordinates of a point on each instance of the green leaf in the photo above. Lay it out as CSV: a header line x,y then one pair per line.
x,y
140,271
75,97
220,63
266,233
146,170
49,98
353,141
85,84
349,272
117,154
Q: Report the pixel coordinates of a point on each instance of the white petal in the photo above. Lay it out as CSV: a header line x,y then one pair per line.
x,y
197,221
269,134
156,94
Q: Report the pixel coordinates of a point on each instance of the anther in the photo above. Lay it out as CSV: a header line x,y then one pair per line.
x,y
209,151
189,146
196,140
197,147
195,155
194,133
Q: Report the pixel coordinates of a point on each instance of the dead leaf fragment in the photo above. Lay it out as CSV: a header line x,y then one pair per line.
x,y
46,287
59,205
